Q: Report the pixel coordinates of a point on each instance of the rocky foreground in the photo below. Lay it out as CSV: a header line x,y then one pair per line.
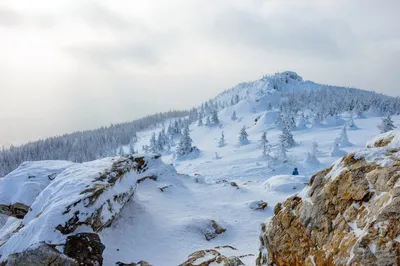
x,y
349,214
57,213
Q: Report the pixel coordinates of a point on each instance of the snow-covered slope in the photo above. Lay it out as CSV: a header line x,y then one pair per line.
x,y
170,218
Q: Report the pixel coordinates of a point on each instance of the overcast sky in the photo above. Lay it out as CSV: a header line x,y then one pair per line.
x,y
68,65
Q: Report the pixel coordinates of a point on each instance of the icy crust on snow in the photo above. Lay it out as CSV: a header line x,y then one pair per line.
x,y
25,183
85,197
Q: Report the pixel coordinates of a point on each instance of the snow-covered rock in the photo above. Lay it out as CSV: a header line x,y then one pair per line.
x,y
349,214
19,189
83,200
285,183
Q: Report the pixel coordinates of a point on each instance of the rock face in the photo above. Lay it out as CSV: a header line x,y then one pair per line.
x,y
74,208
349,214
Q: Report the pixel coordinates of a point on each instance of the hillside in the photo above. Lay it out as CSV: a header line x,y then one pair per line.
x,y
286,94
192,205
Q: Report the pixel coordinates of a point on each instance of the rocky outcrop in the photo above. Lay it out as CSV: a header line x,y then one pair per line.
x,y
349,214
211,257
75,207
39,255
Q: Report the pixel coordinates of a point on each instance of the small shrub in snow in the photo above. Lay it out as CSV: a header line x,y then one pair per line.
x,y
243,140
233,117
222,142
335,150
264,144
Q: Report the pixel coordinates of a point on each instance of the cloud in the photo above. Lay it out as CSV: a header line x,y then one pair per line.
x,y
10,18
283,34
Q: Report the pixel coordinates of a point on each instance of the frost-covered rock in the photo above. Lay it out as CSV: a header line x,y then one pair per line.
x,y
211,257
285,183
349,214
209,228
19,189
82,201
257,205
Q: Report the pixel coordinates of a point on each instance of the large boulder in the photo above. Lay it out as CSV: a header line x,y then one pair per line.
x,y
211,257
84,199
349,214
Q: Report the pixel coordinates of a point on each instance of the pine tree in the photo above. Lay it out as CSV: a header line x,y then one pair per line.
x,y
387,124
335,151
185,144
286,138
233,117
200,120
343,139
132,147
282,152
264,144
314,150
121,151
153,143
208,122
350,124
214,118
221,142
243,140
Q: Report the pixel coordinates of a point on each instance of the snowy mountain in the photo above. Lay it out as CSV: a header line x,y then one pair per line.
x,y
223,169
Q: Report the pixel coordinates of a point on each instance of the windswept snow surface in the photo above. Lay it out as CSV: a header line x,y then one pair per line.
x,y
165,227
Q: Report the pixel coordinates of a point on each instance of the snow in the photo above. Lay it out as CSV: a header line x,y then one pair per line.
x,y
164,228
285,183
25,183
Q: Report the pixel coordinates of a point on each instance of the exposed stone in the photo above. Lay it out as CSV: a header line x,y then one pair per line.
x,y
140,263
233,184
213,231
349,216
277,208
17,210
162,189
211,257
85,248
39,255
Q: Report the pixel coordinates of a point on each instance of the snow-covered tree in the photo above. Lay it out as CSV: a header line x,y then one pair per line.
x,y
286,137
200,120
153,147
314,150
121,151
335,151
208,121
132,147
233,117
282,152
214,118
343,139
350,124
185,144
222,142
387,124
264,144
243,140
302,123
